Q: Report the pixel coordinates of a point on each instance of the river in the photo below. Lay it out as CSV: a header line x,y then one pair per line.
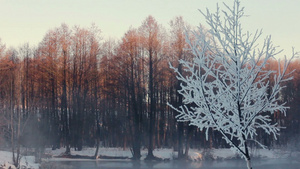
x,y
124,164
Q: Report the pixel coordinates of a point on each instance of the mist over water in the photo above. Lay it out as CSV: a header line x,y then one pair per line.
x,y
226,164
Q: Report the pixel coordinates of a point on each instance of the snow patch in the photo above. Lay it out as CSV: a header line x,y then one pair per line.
x,y
26,161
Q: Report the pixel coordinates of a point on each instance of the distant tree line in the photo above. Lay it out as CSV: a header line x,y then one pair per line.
x,y
75,89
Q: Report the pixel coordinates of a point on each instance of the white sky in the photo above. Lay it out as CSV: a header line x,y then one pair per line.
x,y
24,21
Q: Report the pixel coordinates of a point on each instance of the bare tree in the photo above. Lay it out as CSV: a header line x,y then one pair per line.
x,y
14,102
225,88
151,42
130,50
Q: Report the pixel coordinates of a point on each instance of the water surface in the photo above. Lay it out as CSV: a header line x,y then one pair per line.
x,y
225,164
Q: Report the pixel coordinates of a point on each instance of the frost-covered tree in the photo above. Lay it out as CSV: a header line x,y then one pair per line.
x,y
226,87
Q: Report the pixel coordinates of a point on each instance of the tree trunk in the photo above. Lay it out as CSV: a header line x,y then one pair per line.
x,y
136,121
188,141
180,140
152,108
97,148
249,166
64,106
180,124
247,155
98,139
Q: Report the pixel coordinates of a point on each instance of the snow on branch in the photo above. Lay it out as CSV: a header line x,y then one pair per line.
x,y
226,87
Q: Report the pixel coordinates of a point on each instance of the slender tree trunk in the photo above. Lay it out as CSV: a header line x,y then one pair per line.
x,y
137,134
95,110
136,123
247,155
64,107
18,135
152,108
98,139
12,123
180,124
97,148
188,141
249,166
180,140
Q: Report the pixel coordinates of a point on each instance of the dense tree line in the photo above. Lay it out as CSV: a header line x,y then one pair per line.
x,y
75,89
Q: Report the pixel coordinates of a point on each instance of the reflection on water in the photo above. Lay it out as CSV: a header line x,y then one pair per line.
x,y
226,164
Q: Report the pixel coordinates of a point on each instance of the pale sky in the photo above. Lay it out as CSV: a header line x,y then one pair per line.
x,y
28,20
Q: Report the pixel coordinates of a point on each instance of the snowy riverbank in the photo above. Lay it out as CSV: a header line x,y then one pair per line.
x,y
26,161
194,154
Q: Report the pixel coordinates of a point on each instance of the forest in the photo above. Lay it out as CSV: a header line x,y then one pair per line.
x,y
76,89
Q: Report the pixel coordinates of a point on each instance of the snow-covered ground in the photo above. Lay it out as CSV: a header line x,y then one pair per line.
x,y
120,152
26,161
195,155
